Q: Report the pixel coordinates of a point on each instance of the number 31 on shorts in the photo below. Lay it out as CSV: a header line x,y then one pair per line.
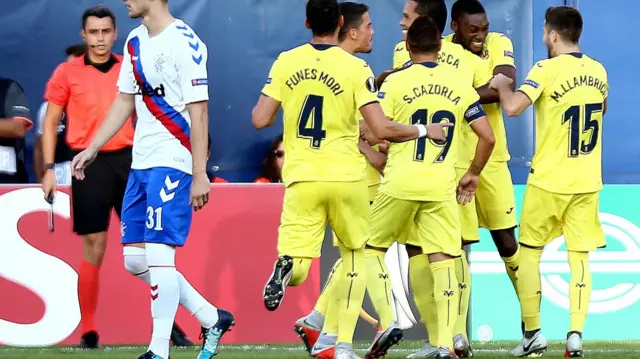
x,y
154,218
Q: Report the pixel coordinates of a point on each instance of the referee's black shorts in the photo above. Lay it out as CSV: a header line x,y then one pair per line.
x,y
101,190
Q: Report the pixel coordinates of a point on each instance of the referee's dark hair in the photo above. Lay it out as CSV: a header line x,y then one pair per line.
x,y
100,12
352,13
76,50
463,7
323,16
423,36
566,21
435,9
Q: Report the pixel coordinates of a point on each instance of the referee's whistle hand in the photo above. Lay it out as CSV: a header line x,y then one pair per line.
x,y
81,161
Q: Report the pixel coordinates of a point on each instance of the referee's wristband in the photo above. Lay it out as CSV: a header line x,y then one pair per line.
x,y
422,130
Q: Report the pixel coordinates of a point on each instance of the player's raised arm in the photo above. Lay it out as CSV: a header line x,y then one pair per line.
x,y
264,112
513,103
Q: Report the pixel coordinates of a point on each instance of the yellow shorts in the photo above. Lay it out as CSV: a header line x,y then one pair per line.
x,y
494,204
434,225
547,215
309,205
372,196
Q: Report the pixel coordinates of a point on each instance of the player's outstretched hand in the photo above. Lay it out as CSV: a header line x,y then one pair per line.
x,y
499,80
467,188
81,161
437,131
200,187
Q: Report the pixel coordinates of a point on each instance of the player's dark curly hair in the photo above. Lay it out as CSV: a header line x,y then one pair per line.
x,y
423,36
435,9
463,7
270,169
566,21
352,13
323,16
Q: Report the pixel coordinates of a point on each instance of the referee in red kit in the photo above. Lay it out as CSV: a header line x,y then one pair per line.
x,y
85,88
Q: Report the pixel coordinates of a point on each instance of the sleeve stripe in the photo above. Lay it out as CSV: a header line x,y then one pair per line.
x,y
369,103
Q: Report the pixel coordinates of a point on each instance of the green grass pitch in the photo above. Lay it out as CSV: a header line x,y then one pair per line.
x,y
594,350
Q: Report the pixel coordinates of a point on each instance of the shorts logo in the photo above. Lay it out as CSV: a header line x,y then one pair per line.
x,y
123,229
170,186
199,82
531,83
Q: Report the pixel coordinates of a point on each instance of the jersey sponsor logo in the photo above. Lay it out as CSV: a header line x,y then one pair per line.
x,y
151,91
508,54
371,84
531,83
199,82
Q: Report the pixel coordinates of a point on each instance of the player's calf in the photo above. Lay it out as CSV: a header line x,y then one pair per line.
x,y
276,286
211,336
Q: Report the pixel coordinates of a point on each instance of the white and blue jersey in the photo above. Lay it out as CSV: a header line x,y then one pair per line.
x,y
165,72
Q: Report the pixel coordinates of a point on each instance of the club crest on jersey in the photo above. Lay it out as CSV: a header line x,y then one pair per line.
x,y
371,84
531,83
199,82
508,54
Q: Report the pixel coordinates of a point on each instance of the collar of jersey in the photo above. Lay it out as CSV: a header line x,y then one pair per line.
x,y
576,54
429,64
321,47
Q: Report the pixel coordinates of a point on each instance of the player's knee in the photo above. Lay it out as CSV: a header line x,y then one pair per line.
x,y
135,260
94,247
301,268
413,251
505,242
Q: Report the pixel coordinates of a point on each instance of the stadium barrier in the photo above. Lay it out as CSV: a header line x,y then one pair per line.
x,y
230,253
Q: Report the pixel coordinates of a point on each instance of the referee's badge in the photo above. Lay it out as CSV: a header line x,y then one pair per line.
x,y
371,85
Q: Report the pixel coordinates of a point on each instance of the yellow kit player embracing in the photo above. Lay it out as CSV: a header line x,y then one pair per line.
x,y
569,91
320,87
418,191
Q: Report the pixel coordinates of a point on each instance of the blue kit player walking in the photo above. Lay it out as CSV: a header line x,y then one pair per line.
x,y
164,78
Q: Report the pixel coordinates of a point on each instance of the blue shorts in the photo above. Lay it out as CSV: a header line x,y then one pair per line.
x,y
156,207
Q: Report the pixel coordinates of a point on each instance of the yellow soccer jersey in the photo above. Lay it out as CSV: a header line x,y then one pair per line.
x,y
568,92
426,93
497,51
321,87
401,56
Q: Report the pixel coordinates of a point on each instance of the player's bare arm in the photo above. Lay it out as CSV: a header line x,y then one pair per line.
x,y
200,185
385,129
489,95
13,129
367,135
49,140
513,102
264,112
119,113
377,159
486,142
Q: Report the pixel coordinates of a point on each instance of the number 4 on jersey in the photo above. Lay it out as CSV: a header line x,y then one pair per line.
x,y
310,121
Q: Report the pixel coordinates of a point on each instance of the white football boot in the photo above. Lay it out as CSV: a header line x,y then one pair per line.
x,y
574,346
537,344
427,351
462,347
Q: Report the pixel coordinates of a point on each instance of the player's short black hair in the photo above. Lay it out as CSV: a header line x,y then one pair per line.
x,y
323,16
100,12
76,50
435,9
352,13
566,21
423,36
463,7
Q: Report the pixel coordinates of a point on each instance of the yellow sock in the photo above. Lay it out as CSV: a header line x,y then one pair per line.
x,y
349,292
529,288
445,294
580,290
332,317
512,264
322,304
464,285
379,286
422,284
300,271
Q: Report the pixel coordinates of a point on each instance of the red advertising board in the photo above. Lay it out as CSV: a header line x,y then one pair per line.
x,y
228,258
